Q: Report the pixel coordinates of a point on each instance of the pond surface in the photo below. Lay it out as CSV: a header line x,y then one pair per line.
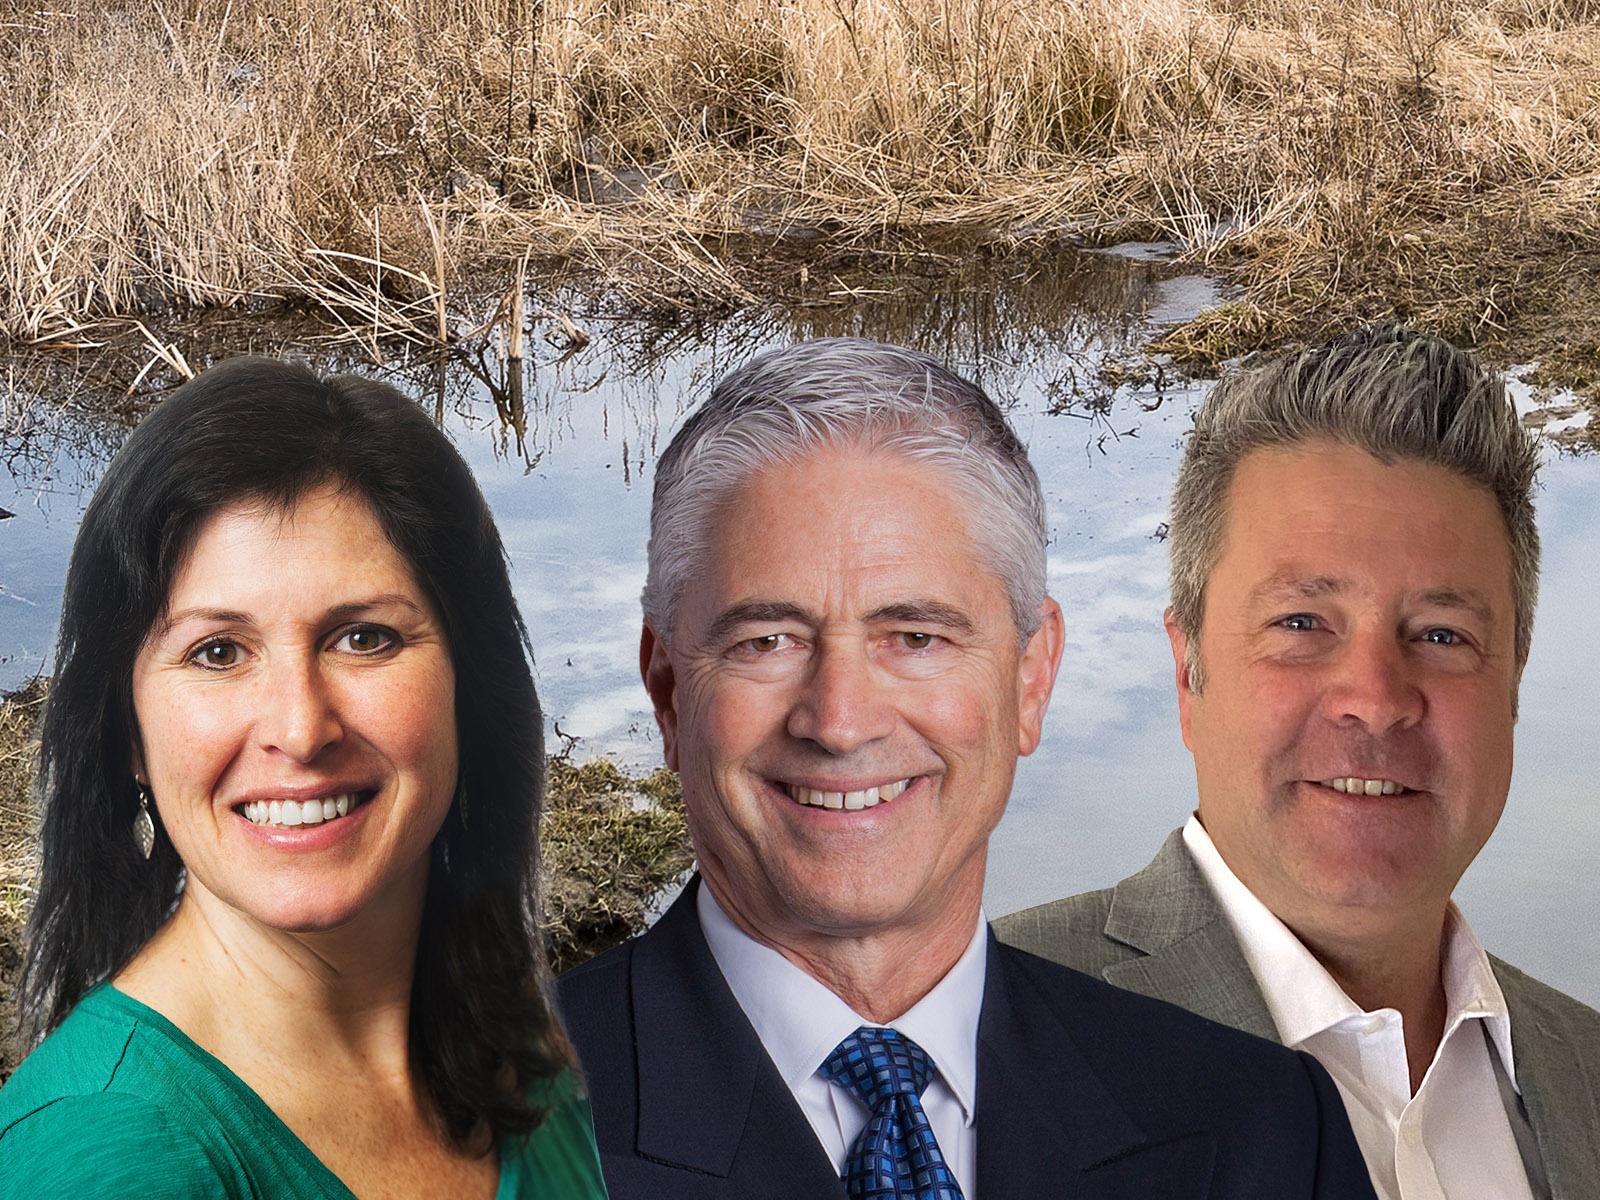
x,y
567,467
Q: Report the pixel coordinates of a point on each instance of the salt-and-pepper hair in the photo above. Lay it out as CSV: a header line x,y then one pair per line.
x,y
1399,395
789,403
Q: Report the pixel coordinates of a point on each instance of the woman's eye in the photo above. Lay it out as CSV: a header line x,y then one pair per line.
x,y
217,656
366,639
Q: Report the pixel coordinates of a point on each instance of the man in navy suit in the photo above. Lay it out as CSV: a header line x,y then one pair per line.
x,y
848,643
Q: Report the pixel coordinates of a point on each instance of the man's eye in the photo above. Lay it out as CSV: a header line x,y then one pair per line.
x,y
366,639
917,641
1300,621
1442,637
217,656
766,643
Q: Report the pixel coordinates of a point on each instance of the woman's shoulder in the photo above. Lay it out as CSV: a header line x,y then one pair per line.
x,y
559,1158
101,1143
82,1057
84,1112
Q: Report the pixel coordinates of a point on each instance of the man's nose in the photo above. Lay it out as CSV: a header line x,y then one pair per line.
x,y
1374,685
842,704
297,715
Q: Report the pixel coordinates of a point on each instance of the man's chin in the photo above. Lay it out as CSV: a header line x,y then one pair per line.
x,y
1362,886
842,904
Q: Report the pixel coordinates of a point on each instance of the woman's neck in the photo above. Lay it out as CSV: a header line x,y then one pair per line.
x,y
302,1002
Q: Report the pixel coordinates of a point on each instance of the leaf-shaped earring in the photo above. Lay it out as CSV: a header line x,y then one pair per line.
x,y
144,826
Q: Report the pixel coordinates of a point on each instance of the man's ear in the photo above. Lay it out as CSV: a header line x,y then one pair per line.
x,y
1036,676
1180,662
655,666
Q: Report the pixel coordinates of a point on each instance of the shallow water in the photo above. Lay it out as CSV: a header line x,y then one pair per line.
x,y
568,474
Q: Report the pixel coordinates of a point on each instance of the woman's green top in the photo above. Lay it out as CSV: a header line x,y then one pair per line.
x,y
119,1102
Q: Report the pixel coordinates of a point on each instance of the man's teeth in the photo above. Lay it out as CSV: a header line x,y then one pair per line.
x,y
1364,787
286,814
848,800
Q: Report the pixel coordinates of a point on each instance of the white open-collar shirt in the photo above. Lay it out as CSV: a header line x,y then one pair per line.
x,y
800,1021
1456,1138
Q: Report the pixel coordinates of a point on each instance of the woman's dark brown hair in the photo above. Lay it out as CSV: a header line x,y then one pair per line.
x,y
482,1030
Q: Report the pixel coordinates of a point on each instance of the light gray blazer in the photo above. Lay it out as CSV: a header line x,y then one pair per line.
x,y
1161,932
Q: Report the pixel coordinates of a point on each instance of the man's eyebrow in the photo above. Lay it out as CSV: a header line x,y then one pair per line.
x,y
1295,587
749,612
924,612
339,612
1467,599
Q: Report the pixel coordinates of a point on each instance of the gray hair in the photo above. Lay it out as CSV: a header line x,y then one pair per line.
x,y
791,402
1398,395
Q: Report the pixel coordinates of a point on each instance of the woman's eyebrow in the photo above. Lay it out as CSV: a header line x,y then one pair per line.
x,y
355,608
339,612
222,616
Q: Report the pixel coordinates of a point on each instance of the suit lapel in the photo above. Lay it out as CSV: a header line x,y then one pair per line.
x,y
1191,957
1047,1124
1558,1090
710,1099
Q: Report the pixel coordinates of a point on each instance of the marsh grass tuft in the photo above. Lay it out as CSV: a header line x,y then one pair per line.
x,y
19,726
1338,159
612,843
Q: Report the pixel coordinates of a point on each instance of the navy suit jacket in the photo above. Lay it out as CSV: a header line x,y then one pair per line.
x,y
1084,1090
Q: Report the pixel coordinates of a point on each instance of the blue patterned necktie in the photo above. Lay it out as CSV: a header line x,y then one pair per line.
x,y
896,1156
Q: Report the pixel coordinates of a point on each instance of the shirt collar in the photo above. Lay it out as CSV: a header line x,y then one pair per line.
x,y
1471,989
800,1021
1304,999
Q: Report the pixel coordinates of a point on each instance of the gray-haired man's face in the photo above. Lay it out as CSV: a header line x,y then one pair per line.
x,y
845,698
1353,740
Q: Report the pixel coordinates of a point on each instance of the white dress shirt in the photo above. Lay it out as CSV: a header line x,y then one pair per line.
x,y
800,1021
1454,1139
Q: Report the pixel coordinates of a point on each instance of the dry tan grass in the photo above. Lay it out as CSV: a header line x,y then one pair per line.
x,y
1338,158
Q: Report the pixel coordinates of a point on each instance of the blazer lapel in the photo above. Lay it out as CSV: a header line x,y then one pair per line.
x,y
1559,1089
1191,957
710,1099
1047,1125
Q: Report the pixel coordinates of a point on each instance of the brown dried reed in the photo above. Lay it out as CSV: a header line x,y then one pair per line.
x,y
1436,159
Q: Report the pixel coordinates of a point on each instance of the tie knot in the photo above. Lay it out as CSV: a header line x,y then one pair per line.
x,y
879,1064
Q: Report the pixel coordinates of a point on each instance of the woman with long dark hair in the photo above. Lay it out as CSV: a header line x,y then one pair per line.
x,y
285,939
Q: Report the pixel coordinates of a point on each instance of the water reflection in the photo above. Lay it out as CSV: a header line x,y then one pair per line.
x,y
564,445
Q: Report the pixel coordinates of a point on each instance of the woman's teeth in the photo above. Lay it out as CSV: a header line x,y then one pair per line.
x,y
849,800
286,814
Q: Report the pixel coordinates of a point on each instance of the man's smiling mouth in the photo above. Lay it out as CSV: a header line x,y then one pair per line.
x,y
1365,787
853,800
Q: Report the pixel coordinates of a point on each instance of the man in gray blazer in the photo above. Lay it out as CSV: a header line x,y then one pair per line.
x,y
1354,568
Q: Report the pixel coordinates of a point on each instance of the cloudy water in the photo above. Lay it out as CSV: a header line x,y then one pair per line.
x,y
564,453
